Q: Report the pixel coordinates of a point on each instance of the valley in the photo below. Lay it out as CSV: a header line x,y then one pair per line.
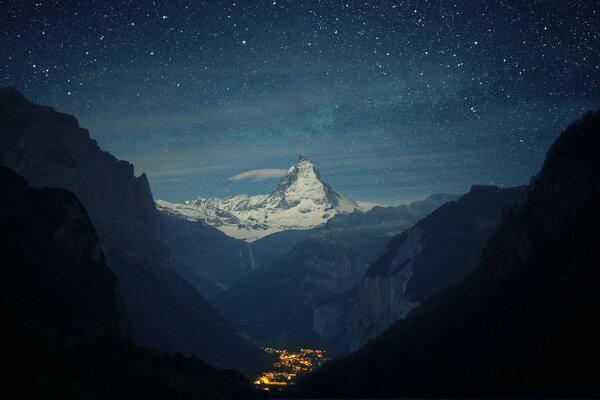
x,y
107,293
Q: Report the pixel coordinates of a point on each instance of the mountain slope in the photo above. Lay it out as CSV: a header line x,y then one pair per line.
x,y
301,200
524,324
50,149
53,268
62,318
276,304
215,263
370,231
209,260
438,251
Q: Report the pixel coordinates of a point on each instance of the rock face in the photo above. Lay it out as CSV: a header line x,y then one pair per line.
x,y
50,149
276,304
439,251
53,268
523,325
62,318
209,260
215,263
301,201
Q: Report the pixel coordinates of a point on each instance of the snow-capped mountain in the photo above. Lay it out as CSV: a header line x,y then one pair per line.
x,y
300,201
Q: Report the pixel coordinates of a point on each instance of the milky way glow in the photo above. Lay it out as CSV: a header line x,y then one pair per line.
x,y
393,100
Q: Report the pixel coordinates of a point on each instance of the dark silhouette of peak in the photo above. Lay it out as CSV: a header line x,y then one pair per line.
x,y
13,183
14,102
62,318
440,250
9,95
53,268
523,325
455,232
50,149
483,190
302,157
578,144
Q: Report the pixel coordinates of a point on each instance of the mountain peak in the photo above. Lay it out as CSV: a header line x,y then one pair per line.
x,y
301,200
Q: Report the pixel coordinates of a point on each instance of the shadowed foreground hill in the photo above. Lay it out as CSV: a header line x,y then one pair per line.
x,y
524,325
61,315
50,149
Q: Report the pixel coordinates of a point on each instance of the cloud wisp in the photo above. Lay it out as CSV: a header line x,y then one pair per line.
x,y
259,175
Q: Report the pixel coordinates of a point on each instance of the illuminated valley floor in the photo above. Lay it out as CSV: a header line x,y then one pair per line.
x,y
291,365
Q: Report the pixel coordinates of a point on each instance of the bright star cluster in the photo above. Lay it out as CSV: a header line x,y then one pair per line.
x,y
392,100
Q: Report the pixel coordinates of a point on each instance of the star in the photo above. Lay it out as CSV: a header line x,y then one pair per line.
x,y
167,81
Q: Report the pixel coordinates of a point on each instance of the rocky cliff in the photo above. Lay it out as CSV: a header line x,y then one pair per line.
x,y
209,260
438,251
523,325
61,316
277,302
53,268
49,148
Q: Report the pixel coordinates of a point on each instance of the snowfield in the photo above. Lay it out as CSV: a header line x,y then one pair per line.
x,y
300,201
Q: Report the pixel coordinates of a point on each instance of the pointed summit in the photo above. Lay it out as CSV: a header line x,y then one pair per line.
x,y
301,200
302,182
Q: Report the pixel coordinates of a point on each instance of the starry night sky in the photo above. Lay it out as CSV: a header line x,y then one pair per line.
x,y
392,100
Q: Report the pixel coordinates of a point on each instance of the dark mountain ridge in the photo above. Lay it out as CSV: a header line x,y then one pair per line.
x,y
275,305
523,324
438,251
62,316
50,149
53,268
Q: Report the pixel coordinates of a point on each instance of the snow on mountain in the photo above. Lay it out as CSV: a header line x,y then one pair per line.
x,y
301,200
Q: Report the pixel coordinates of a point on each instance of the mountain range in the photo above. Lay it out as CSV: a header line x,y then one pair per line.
x,y
49,149
222,256
300,201
522,325
438,251
276,303
63,326
104,291
269,287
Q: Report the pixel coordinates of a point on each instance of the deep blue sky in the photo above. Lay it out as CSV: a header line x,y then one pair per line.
x,y
393,100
